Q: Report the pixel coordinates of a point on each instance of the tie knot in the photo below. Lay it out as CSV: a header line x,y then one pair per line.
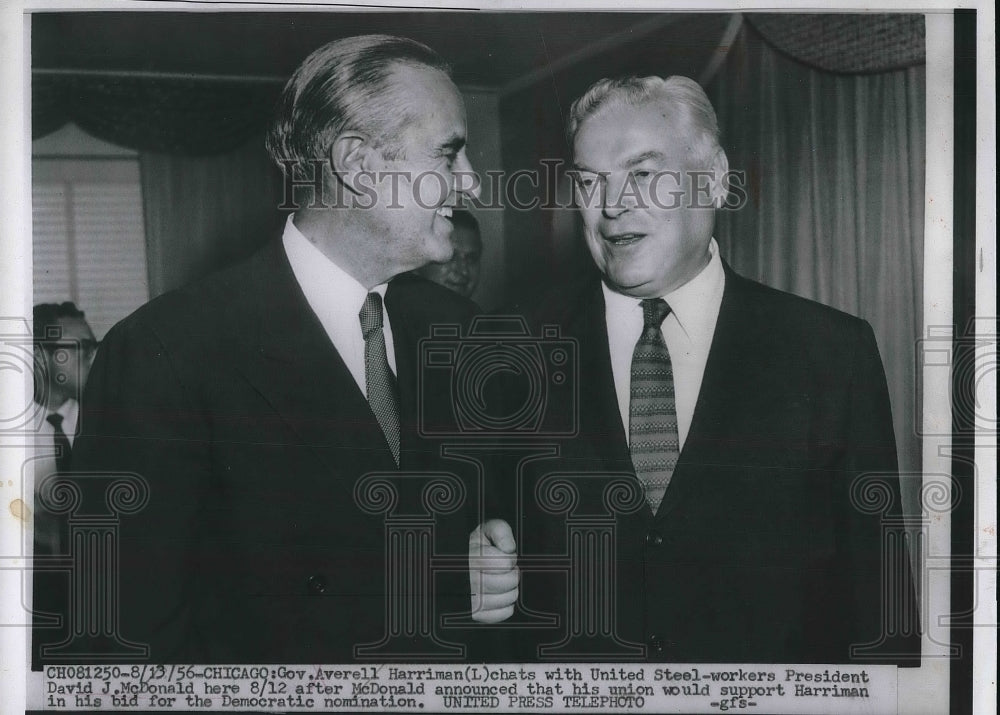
x,y
371,315
654,310
55,419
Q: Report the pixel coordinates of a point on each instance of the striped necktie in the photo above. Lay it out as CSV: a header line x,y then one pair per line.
x,y
380,383
653,439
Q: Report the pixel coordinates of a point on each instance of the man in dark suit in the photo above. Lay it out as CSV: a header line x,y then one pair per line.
x,y
64,347
252,403
753,425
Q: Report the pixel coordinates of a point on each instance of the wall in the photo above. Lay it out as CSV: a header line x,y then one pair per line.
x,y
482,115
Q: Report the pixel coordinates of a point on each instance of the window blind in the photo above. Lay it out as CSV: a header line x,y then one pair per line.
x,y
88,238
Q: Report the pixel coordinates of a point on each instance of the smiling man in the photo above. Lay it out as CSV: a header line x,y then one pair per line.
x,y
251,403
752,421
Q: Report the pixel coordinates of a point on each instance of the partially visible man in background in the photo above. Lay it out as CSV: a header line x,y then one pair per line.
x,y
461,273
64,348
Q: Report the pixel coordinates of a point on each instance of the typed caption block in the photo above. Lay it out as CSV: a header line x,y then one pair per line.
x,y
467,688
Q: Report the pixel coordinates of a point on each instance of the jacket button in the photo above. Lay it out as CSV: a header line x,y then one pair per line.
x,y
316,583
654,538
656,644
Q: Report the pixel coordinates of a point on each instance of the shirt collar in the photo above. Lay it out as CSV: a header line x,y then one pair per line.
x,y
69,408
70,411
691,304
322,280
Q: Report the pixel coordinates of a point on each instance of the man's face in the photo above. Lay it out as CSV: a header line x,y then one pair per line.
x,y
461,273
67,360
647,227
419,190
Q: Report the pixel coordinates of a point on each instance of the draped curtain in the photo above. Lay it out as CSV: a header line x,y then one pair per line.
x,y
210,193
834,183
189,117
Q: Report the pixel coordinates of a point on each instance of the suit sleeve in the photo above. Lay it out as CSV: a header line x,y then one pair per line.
x,y
880,598
139,417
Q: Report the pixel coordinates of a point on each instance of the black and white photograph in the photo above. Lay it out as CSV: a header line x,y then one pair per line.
x,y
457,359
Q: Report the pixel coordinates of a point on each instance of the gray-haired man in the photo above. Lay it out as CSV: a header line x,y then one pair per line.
x,y
252,403
749,417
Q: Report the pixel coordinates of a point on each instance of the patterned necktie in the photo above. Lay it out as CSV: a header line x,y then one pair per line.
x,y
380,384
63,447
653,439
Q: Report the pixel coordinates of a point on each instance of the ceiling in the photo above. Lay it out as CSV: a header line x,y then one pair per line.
x,y
502,51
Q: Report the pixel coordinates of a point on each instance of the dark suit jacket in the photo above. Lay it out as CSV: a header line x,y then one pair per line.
x,y
230,401
758,552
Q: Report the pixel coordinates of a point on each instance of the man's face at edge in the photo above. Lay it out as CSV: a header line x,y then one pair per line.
x,y
67,361
461,273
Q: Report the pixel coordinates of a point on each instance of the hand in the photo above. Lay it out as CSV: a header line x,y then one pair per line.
x,y
493,572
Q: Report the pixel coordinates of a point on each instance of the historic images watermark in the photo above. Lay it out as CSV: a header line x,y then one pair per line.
x,y
504,384
970,354
501,434
310,185
29,359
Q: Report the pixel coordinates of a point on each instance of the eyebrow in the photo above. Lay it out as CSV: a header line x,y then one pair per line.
x,y
628,163
639,158
453,143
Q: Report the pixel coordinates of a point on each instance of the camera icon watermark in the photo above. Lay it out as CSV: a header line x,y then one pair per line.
x,y
30,369
970,362
500,379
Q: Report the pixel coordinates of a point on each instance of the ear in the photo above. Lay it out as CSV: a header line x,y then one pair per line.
x,y
720,172
350,155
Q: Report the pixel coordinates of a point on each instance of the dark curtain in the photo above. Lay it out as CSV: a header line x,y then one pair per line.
x,y
835,195
203,213
210,193
175,116
860,43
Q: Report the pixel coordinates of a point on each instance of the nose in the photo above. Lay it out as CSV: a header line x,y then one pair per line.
x,y
617,197
465,179
460,267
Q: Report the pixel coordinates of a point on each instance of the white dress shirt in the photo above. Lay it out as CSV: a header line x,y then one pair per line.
x,y
44,461
70,411
336,299
687,330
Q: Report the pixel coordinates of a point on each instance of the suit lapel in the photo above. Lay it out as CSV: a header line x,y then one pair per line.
x,y
294,366
734,362
602,423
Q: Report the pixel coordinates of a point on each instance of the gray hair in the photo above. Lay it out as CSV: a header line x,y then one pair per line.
x,y
347,84
682,99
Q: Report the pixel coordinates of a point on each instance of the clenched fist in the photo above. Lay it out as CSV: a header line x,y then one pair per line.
x,y
493,572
